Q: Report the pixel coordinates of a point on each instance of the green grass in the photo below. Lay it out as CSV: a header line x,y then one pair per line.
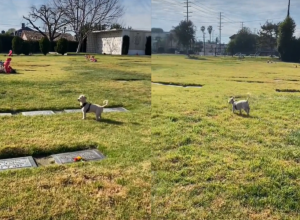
x,y
209,163
117,187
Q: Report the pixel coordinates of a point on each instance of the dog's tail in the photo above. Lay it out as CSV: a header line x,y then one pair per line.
x,y
105,102
248,96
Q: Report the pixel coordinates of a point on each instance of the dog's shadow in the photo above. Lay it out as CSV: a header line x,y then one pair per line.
x,y
245,116
109,121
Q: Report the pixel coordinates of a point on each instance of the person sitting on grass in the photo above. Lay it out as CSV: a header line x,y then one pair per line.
x,y
93,59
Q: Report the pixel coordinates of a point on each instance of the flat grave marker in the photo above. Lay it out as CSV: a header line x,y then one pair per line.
x,y
5,114
16,163
87,155
34,113
120,109
72,110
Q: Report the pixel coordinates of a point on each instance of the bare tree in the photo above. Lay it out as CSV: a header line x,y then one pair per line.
x,y
52,18
85,15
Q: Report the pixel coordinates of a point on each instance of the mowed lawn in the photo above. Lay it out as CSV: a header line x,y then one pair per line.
x,y
117,187
209,163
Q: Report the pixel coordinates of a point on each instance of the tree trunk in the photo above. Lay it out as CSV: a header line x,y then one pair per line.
x,y
79,46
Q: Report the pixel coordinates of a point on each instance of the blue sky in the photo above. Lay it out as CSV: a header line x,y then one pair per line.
x,y
137,13
168,13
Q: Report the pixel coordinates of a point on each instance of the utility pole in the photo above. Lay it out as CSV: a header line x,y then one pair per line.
x,y
187,9
187,13
220,29
204,42
288,13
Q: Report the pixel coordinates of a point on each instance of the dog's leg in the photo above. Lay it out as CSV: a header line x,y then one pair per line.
x,y
240,111
97,115
84,116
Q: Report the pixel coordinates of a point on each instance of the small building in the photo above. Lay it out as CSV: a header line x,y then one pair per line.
x,y
36,36
23,28
111,41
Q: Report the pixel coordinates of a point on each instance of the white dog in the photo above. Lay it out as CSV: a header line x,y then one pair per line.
x,y
88,107
242,104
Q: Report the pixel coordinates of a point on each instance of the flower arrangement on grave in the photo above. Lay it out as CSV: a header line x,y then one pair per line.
x,y
77,159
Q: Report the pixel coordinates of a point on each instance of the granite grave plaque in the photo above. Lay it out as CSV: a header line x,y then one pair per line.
x,y
120,109
87,155
34,113
15,163
5,114
72,110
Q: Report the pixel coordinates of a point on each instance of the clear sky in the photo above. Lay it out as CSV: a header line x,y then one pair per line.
x,y
137,13
168,13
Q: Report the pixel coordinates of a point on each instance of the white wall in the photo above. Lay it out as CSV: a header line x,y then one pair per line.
x,y
110,42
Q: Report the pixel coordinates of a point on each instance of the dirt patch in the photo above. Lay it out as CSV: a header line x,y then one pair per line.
x,y
44,161
287,90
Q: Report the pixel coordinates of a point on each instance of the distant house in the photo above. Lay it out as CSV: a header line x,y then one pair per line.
x,y
19,32
36,36
111,41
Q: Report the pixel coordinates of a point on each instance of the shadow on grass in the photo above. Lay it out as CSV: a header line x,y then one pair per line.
x,y
109,121
127,79
244,115
287,90
13,152
177,84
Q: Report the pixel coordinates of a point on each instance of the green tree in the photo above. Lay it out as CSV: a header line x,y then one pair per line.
x,y
245,41
209,29
285,37
17,44
158,41
10,31
157,30
0,46
267,36
44,45
25,47
62,46
171,38
116,26
231,47
185,33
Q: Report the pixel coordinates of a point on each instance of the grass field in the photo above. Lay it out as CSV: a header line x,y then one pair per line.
x,y
117,187
209,163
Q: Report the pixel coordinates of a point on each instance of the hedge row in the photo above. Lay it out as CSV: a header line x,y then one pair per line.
x,y
6,45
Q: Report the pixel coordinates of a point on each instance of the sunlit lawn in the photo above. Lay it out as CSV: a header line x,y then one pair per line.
x,y
209,163
117,187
